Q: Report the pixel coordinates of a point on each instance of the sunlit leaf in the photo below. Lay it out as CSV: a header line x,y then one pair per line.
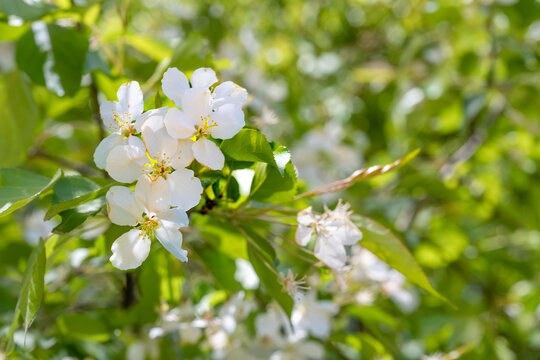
x,y
19,187
380,241
248,145
19,116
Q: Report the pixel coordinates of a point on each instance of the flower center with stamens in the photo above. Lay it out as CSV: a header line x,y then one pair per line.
x,y
147,225
291,283
124,124
203,130
159,168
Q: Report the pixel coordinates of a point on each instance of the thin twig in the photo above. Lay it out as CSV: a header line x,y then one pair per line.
x,y
80,167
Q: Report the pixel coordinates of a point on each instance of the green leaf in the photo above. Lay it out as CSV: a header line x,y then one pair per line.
x,y
263,244
32,289
70,192
270,280
386,246
222,267
18,117
157,100
66,51
19,187
248,145
83,326
150,47
270,186
372,315
74,217
24,9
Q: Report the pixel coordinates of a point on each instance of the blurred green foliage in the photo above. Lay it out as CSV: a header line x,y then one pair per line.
x,y
344,84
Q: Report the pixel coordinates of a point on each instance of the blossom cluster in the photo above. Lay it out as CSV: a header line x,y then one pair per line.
x,y
154,149
224,332
333,229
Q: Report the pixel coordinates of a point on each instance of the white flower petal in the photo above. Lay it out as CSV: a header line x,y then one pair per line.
x,y
184,154
109,111
185,188
130,99
105,147
179,125
153,195
171,239
208,154
348,233
139,121
229,119
174,83
173,219
229,93
125,162
160,145
122,206
330,252
197,104
306,217
310,349
130,250
203,78
303,234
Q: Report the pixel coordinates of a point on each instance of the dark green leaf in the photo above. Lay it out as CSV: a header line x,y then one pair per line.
x,y
19,187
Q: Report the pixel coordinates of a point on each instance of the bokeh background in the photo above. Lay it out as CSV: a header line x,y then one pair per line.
x,y
345,85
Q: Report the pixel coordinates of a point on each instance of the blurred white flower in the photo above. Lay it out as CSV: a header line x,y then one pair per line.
x,y
36,228
312,316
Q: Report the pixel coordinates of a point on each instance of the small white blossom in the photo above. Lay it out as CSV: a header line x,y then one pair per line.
x,y
217,113
124,119
334,230
148,210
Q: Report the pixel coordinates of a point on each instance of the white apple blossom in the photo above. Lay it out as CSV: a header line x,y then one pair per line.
x,y
203,113
158,155
273,327
334,230
148,210
312,316
124,119
274,330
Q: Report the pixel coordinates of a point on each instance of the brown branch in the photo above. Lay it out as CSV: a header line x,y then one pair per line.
x,y
80,167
